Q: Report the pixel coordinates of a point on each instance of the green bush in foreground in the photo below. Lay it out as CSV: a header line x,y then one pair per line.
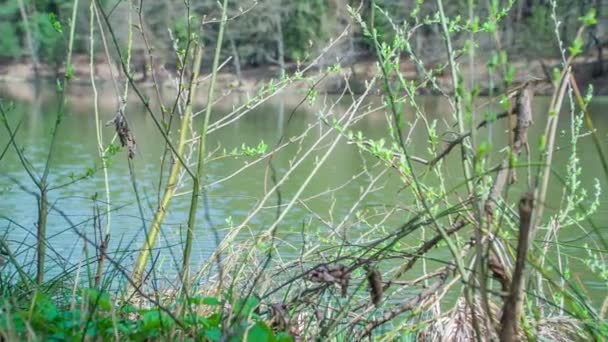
x,y
93,315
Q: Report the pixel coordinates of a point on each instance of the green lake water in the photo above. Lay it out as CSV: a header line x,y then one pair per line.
x,y
324,203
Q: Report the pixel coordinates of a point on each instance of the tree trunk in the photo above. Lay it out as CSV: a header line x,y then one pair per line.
x,y
235,59
29,39
280,47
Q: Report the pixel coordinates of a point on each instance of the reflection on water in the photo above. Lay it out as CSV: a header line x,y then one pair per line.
x,y
233,198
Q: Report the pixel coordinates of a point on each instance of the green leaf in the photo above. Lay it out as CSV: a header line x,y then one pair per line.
x,y
16,322
150,320
214,320
483,149
211,301
46,309
55,23
123,328
129,309
246,307
589,19
260,332
284,337
489,26
69,72
557,75
577,47
603,328
213,334
195,300
153,320
101,299
89,172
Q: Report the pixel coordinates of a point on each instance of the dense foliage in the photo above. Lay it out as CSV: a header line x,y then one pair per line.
x,y
275,31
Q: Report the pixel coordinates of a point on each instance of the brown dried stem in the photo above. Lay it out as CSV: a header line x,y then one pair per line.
x,y
511,312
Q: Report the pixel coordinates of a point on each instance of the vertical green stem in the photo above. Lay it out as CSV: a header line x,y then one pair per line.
x,y
399,137
98,130
43,185
457,96
465,147
198,180
163,206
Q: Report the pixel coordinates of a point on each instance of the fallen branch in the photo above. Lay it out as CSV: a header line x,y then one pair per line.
x,y
409,304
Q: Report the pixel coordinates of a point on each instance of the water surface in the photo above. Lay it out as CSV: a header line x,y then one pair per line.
x,y
323,205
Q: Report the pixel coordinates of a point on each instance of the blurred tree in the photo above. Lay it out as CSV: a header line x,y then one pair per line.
x,y
10,44
277,32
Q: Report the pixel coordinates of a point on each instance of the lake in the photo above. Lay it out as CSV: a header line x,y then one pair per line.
x,y
327,203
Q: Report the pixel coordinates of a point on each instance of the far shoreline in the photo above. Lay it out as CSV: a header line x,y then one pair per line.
x,y
252,79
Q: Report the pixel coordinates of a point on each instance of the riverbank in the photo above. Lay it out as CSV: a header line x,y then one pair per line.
x,y
588,70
